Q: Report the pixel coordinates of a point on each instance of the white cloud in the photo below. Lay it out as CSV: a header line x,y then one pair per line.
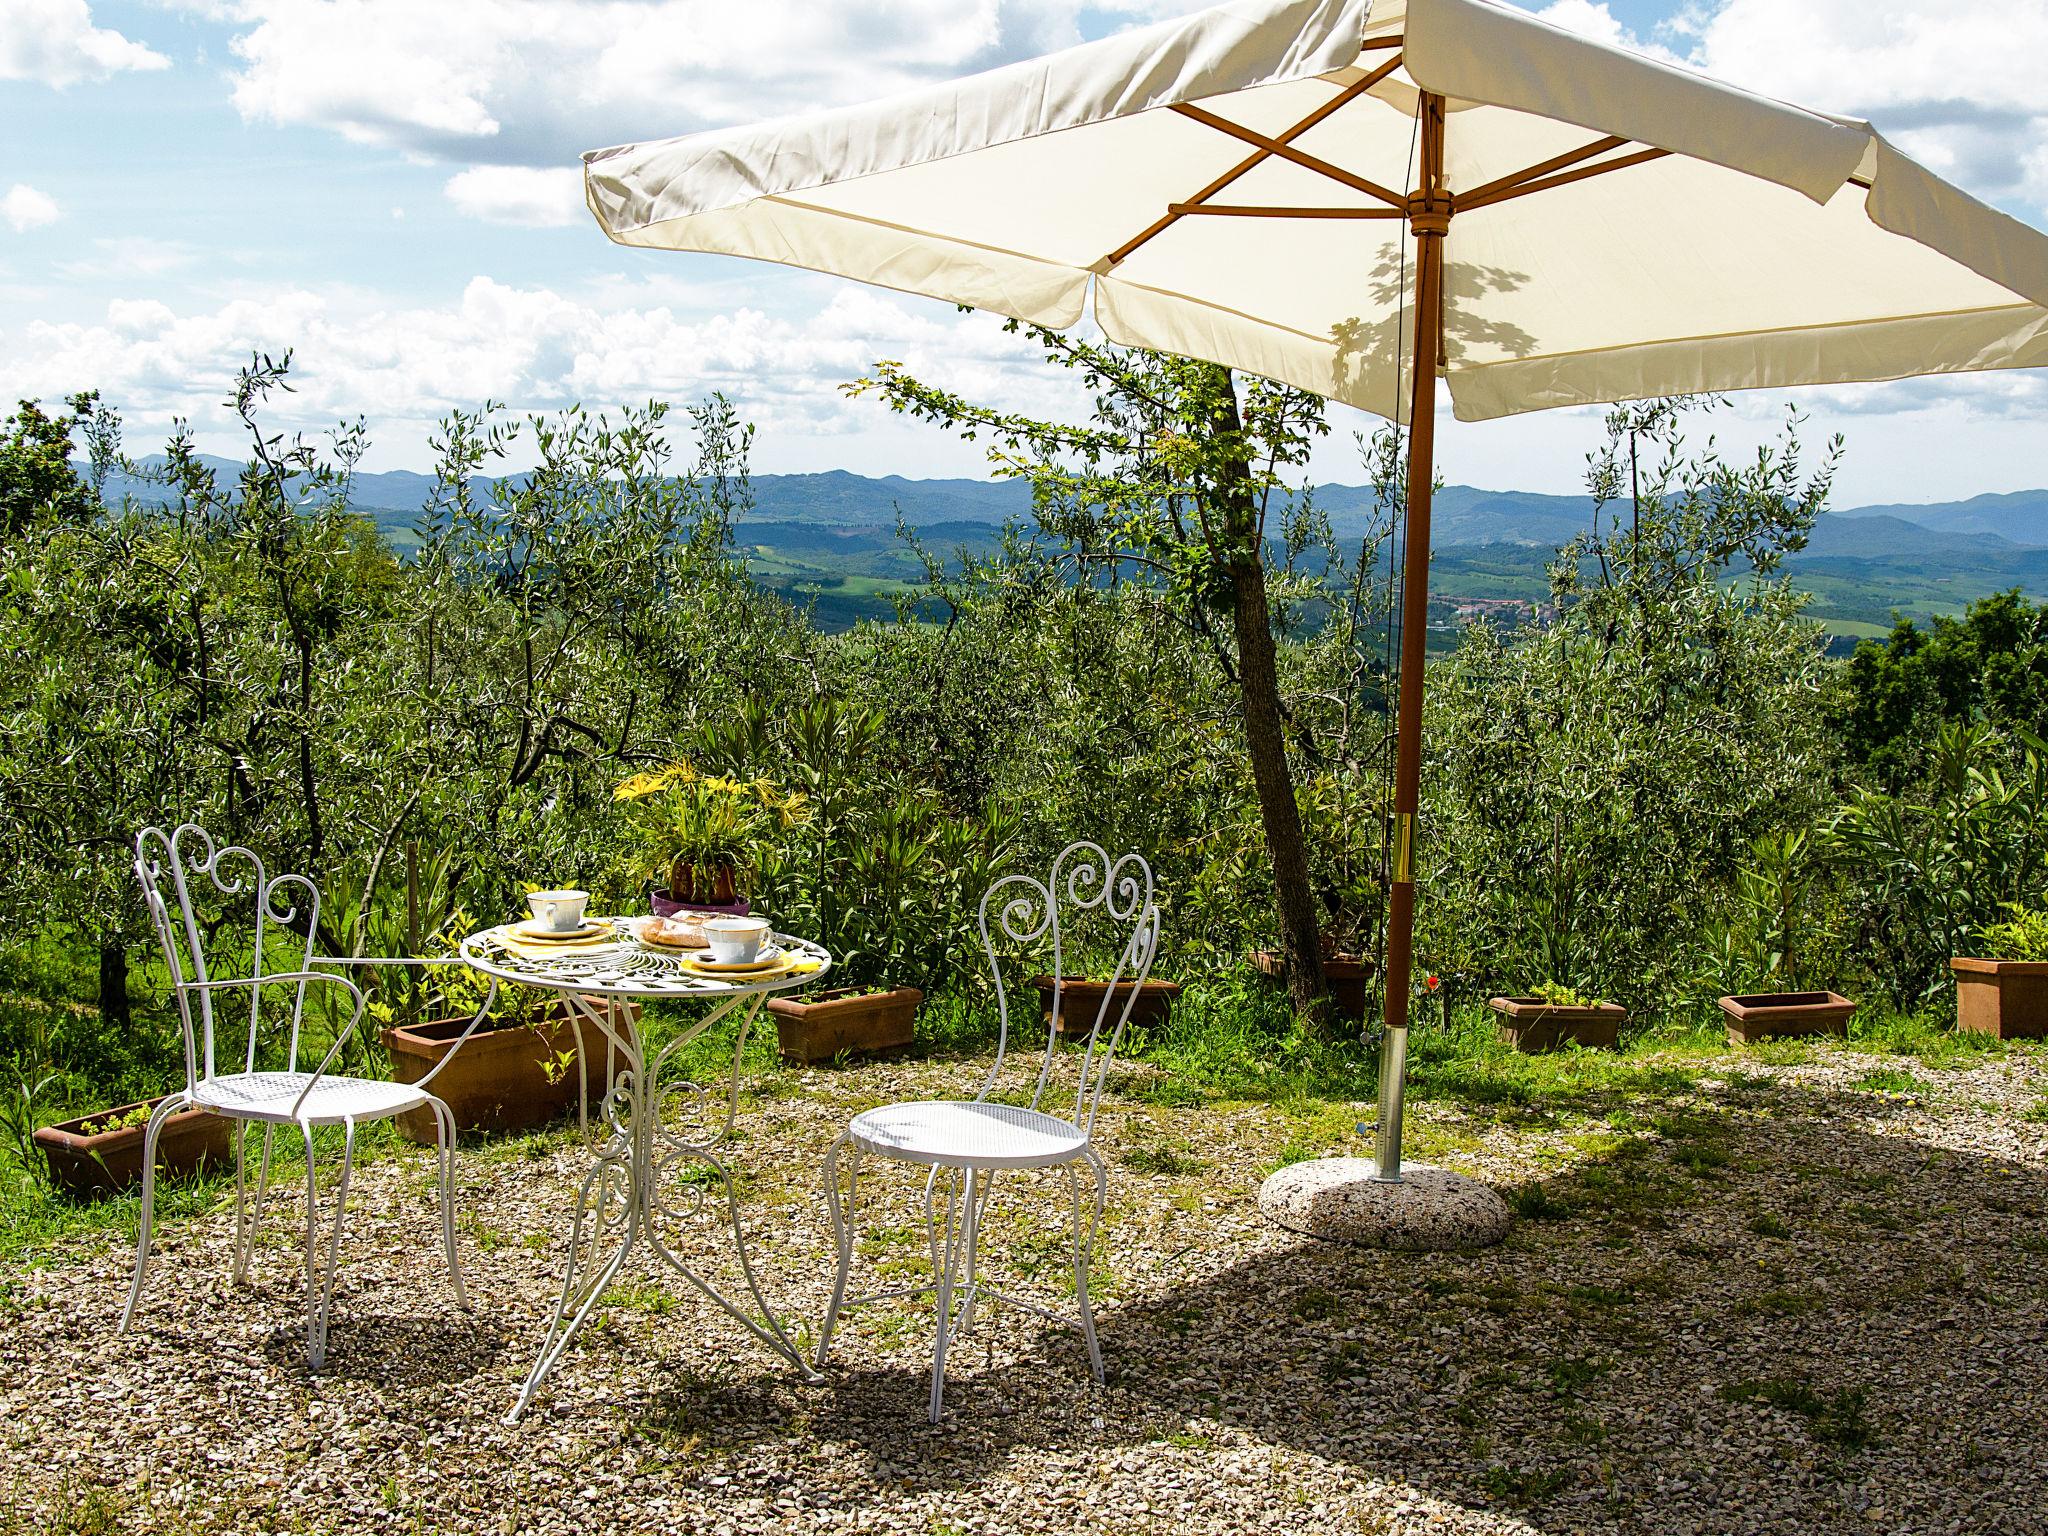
x,y
538,197
129,256
1957,85
1592,18
54,42
25,208
402,366
533,83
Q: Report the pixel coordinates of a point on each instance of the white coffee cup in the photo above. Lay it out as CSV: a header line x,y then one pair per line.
x,y
735,940
558,911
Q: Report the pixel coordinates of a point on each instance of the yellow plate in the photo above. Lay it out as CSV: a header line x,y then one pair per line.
x,y
775,961
531,932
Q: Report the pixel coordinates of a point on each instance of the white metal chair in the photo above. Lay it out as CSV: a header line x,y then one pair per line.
x,y
965,1143
230,1083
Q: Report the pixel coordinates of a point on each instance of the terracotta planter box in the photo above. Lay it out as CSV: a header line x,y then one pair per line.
x,y
1081,1002
2005,998
1769,1015
823,1026
1531,1024
88,1167
498,1081
1349,976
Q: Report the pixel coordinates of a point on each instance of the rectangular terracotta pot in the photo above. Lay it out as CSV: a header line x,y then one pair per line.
x,y
1349,978
2005,998
1081,1002
1531,1024
91,1166
499,1080
827,1024
1772,1015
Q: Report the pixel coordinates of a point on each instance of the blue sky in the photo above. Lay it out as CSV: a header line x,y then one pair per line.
x,y
388,186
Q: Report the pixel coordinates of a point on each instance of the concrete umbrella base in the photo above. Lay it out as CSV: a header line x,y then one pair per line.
x,y
1429,1210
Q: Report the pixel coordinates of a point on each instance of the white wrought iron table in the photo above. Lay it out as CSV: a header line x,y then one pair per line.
x,y
622,1200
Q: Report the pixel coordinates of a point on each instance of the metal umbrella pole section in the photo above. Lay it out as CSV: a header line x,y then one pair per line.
x,y
1429,220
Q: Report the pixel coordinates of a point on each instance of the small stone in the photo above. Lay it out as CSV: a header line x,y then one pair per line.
x,y
1428,1209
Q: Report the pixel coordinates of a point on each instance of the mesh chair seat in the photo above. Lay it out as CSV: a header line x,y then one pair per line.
x,y
270,1096
968,1134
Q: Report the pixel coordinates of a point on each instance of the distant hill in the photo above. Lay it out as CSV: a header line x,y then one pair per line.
x,y
2021,516
830,538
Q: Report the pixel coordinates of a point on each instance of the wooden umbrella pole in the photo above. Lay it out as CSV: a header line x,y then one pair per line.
x,y
1429,217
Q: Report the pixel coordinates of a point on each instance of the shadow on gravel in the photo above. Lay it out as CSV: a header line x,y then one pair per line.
x,y
398,1351
1764,1314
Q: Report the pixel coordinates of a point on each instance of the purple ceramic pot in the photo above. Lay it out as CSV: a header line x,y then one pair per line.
x,y
665,905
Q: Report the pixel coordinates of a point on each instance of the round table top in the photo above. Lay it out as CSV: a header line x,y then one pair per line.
x,y
625,967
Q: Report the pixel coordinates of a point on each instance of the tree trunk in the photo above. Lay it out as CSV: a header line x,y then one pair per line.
x,y
113,983
1259,685
1258,681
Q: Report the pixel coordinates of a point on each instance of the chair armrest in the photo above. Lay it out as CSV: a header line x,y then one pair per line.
x,y
483,1011
299,979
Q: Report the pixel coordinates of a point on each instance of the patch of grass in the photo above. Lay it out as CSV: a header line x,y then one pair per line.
x,y
1159,1158
1793,1052
1930,1037
1702,1159
1569,1376
1891,1080
1314,1303
1875,1216
1780,1303
1526,1486
1536,1201
1841,1420
1601,1295
643,1296
1764,1224
1344,1362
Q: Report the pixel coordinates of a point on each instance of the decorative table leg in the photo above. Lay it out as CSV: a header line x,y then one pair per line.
x,y
673,1149
610,1209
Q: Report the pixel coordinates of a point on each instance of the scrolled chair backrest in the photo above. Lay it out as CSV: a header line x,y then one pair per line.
x,y
174,869
1030,912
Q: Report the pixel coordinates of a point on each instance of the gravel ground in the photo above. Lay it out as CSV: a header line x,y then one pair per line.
x,y
1778,1300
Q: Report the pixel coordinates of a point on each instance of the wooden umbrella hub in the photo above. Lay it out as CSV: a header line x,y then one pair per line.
x,y
1429,213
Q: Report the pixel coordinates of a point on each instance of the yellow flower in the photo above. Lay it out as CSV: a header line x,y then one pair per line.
x,y
641,785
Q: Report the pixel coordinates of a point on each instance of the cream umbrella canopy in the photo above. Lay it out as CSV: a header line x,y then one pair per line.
x,y
1285,186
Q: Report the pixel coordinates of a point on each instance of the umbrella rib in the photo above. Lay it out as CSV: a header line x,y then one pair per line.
x,y
1175,211
1544,167
1286,151
1471,201
1279,211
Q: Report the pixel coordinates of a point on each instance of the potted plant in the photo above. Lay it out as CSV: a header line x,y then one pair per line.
x,y
1345,857
2006,997
1763,946
523,1067
696,835
844,1021
1348,973
1554,1014
101,1153
876,866
1081,1002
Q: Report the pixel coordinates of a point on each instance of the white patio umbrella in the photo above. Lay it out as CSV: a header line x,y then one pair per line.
x,y
1283,186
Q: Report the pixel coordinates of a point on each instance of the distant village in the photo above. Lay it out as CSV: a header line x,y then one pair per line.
x,y
1504,612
